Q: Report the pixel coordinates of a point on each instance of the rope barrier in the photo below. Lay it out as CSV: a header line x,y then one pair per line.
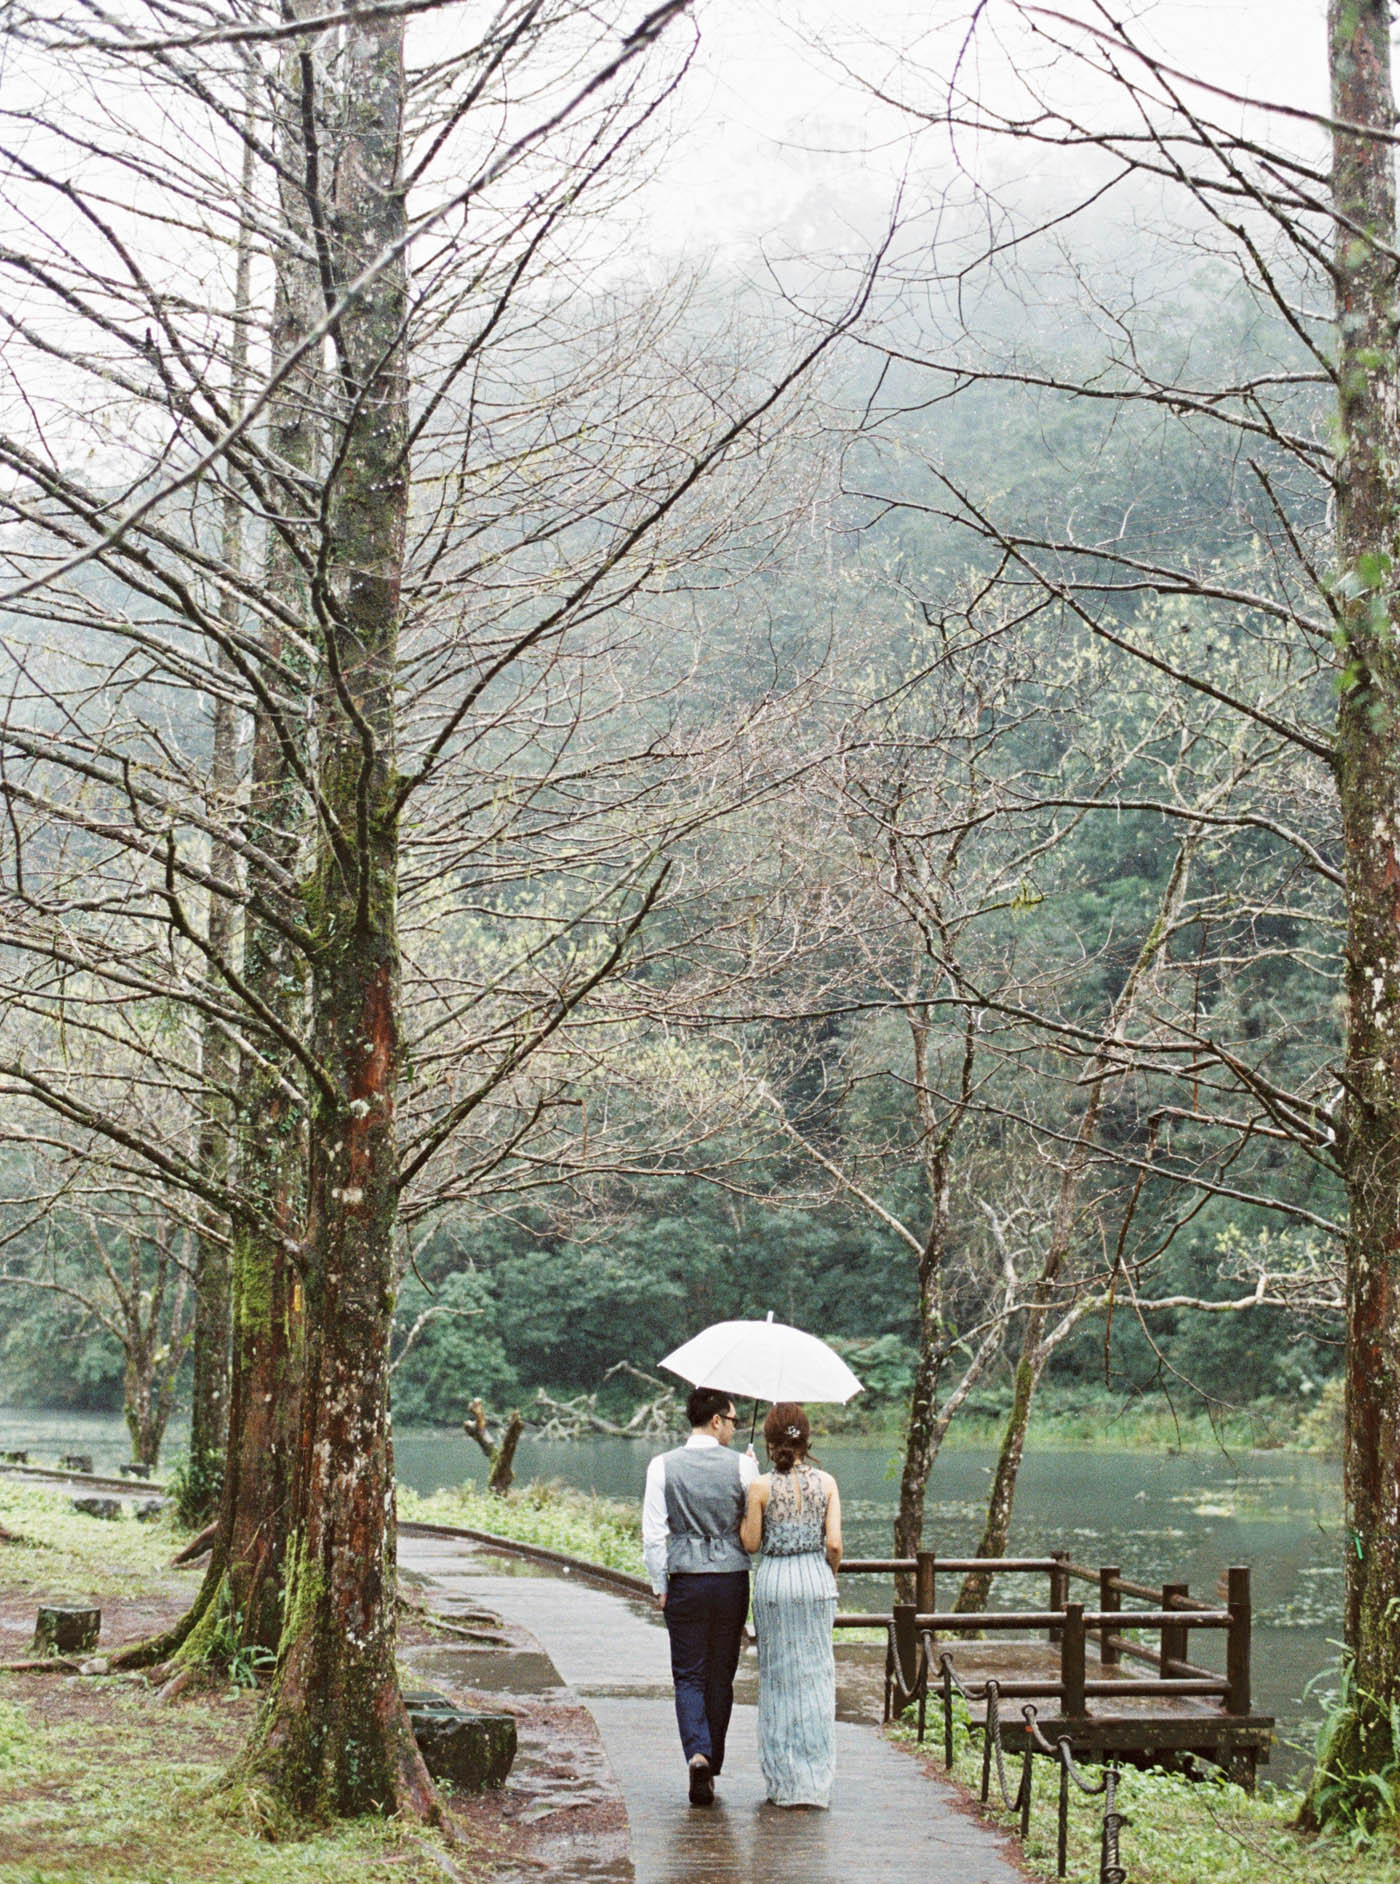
x,y
900,1691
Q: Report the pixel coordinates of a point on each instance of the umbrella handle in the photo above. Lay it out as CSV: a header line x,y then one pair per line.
x,y
753,1423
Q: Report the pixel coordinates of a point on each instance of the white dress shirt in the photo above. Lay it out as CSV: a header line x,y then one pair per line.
x,y
654,1507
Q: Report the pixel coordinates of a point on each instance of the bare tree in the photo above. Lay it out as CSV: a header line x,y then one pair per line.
x,y
86,1235
1298,589
459,488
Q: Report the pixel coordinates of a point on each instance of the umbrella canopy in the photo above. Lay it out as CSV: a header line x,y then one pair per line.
x,y
765,1360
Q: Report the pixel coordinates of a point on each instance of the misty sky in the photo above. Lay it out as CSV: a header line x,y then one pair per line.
x,y
774,133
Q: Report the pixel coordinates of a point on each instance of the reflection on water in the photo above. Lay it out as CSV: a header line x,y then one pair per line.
x,y
1162,1519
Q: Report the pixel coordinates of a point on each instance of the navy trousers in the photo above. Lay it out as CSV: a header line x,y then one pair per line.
x,y
705,1615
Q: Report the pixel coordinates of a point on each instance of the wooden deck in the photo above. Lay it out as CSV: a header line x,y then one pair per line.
x,y
1092,1677
1140,1729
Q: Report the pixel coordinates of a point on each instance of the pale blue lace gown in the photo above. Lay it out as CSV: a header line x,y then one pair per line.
x,y
794,1601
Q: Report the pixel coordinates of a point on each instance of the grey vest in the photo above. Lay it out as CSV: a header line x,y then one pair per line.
x,y
704,1503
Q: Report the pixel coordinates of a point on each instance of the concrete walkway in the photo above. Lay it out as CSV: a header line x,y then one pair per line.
x,y
889,1823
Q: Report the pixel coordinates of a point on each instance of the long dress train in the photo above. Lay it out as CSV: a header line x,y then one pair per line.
x,y
794,1601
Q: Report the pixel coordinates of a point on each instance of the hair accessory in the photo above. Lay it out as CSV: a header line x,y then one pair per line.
x,y
792,1432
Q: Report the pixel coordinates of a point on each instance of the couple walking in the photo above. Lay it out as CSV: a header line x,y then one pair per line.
x,y
707,1510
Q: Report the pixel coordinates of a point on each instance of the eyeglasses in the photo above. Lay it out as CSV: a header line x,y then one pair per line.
x,y
730,1419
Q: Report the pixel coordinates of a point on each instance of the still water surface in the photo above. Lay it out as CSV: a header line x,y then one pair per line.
x,y
1181,1518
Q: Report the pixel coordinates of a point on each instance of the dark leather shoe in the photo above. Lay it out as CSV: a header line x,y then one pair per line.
x,y
702,1783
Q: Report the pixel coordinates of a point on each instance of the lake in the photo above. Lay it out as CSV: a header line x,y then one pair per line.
x,y
1181,1518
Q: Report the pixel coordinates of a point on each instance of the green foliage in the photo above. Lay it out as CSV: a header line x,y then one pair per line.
x,y
600,1530
885,1365
225,1649
51,1355
194,1485
1355,1791
137,1804
14,1735
1178,1830
79,1553
457,1356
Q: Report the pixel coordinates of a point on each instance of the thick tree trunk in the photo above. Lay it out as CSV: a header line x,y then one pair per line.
x,y
1368,772
267,1346
334,1737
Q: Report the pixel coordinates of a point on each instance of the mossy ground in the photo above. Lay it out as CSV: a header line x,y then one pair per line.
x,y
102,1783
1179,1831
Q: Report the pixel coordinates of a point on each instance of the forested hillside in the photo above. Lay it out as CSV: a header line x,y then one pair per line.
x,y
948,842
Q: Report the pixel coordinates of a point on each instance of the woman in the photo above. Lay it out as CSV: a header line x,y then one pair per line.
x,y
794,1513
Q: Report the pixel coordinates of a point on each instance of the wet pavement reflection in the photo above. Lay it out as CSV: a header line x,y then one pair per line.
x,y
575,1643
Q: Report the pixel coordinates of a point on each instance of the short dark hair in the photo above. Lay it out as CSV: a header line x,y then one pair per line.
x,y
704,1402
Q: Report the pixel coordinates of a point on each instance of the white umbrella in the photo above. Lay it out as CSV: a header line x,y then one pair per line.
x,y
768,1360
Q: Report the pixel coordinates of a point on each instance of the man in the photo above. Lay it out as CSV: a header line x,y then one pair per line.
x,y
699,1571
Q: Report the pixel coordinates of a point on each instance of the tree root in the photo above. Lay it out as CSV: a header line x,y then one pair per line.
x,y
197,1545
155,1649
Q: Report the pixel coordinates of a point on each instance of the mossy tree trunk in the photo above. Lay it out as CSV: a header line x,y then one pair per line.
x,y
334,1737
1368,773
268,1357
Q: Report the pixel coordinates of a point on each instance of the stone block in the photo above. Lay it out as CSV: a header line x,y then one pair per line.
x,y
16,1458
469,1749
96,1507
134,1470
150,1508
76,1462
66,1630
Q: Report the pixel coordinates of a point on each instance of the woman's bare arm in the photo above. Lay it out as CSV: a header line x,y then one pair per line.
x,y
751,1524
833,1523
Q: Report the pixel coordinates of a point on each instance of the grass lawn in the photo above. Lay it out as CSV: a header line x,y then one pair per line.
x,y
1179,1831
102,1783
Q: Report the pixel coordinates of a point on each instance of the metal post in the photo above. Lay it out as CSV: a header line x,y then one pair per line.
x,y
1062,1839
1072,1661
1059,1588
1174,1634
947,1716
1237,1642
1110,1598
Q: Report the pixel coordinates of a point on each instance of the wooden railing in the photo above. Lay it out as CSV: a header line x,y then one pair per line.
x,y
1068,1625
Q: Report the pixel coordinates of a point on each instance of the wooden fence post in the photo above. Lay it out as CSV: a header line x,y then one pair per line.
x,y
926,1584
1174,1634
1059,1588
1072,1660
1237,1642
1110,1598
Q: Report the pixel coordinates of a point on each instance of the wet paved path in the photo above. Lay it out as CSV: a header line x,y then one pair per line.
x,y
889,1822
